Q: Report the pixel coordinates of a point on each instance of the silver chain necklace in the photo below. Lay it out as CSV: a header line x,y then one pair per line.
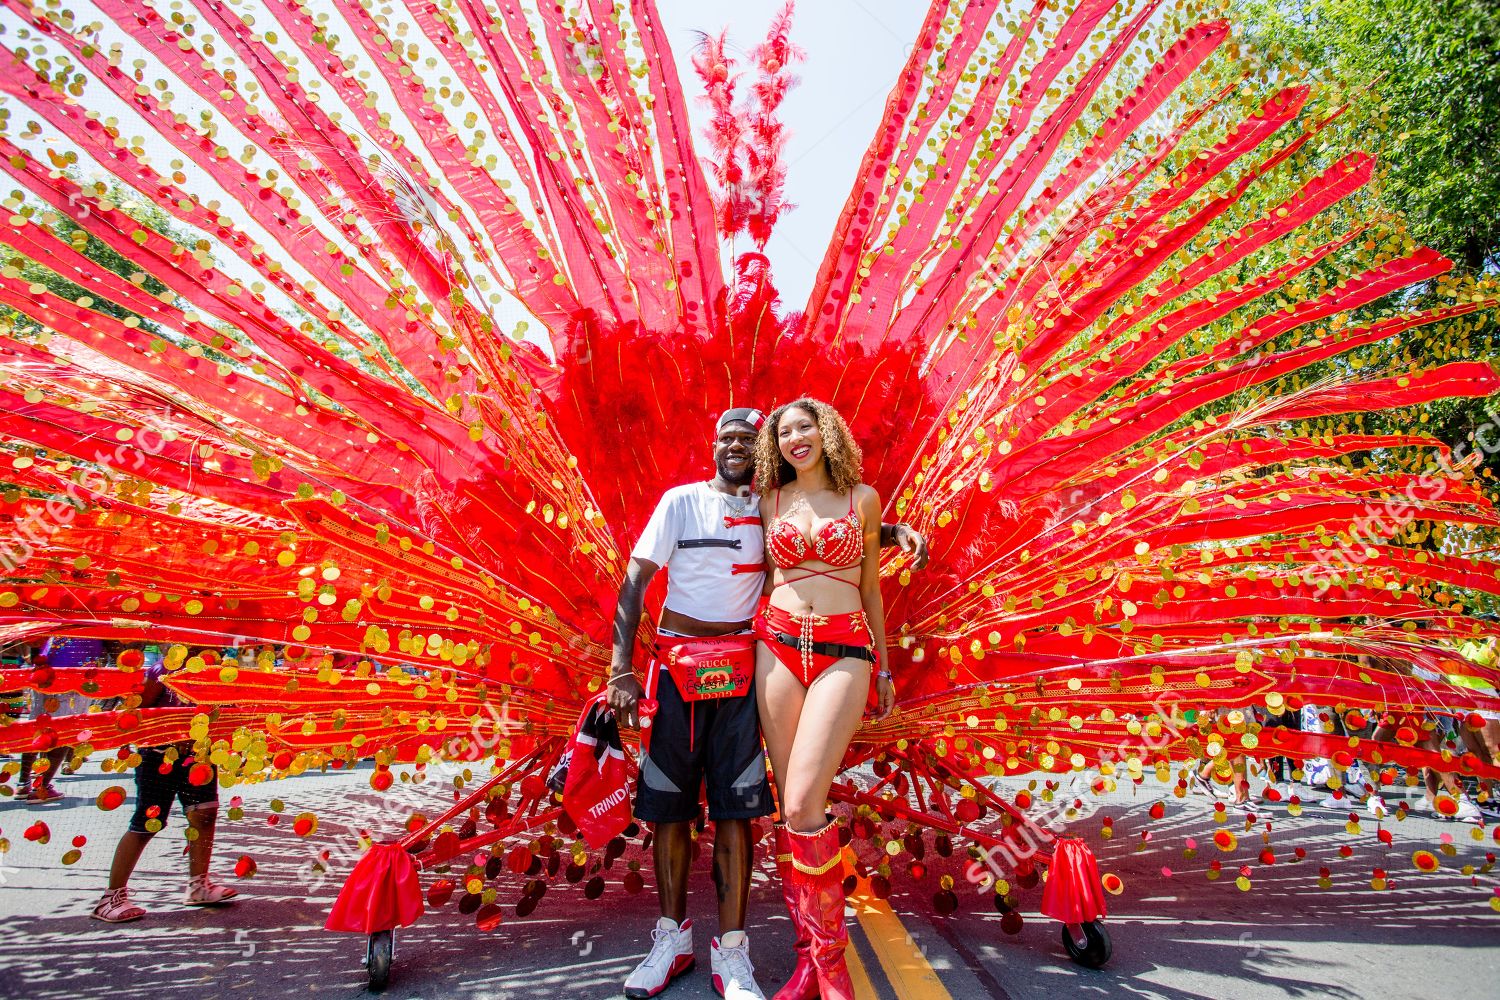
x,y
738,506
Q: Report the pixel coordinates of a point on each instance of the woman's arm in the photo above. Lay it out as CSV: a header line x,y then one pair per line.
x,y
869,592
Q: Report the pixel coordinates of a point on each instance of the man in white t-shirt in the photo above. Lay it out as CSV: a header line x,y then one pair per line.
x,y
708,536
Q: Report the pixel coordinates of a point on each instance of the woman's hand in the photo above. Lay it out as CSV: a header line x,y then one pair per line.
x,y
885,691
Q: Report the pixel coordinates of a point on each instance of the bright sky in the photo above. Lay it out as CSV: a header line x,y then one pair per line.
x,y
854,50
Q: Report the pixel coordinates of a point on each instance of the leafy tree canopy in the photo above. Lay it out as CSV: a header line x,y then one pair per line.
x,y
1436,65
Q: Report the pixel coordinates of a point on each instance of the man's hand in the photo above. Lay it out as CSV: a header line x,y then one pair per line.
x,y
624,692
886,696
912,543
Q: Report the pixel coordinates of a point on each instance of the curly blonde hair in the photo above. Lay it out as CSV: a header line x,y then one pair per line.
x,y
841,455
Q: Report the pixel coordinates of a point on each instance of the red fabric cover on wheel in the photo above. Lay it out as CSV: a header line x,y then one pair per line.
x,y
1074,893
381,893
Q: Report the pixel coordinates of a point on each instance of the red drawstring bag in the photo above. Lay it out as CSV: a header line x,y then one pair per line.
x,y
382,892
596,792
1074,892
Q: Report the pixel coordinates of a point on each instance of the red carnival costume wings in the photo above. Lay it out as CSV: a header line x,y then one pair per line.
x,y
1110,307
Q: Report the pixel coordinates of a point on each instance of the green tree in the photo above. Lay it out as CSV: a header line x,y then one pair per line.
x,y
1436,66
38,272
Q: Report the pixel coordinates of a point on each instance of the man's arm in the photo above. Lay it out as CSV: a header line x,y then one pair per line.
x,y
624,687
910,541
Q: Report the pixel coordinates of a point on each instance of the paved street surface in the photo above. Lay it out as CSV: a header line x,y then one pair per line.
x,y
1176,936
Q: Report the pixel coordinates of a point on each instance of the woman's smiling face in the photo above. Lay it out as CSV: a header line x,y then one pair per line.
x,y
798,438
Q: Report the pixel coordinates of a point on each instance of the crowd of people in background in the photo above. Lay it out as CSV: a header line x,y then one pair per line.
x,y
164,775
1374,786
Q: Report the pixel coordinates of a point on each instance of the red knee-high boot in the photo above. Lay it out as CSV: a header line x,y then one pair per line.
x,y
804,982
817,879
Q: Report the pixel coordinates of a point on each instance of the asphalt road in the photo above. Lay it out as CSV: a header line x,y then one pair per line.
x,y
1176,934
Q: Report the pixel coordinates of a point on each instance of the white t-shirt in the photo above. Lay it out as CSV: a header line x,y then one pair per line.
x,y
713,550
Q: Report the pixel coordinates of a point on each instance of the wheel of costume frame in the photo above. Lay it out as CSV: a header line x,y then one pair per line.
x,y
1096,952
382,949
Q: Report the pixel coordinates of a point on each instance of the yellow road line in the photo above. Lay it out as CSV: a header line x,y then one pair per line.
x,y
863,986
908,970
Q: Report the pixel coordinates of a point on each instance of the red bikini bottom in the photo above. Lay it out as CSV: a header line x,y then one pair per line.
x,y
801,642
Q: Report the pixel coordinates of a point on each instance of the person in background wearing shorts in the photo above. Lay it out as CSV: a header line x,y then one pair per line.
x,y
36,784
165,774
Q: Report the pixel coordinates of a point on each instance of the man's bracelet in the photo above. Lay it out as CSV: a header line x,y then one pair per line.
x,y
886,674
621,674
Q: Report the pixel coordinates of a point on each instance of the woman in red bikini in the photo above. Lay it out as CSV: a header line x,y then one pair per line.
x,y
822,636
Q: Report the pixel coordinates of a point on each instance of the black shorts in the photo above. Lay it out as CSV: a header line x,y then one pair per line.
x,y
153,788
714,742
1289,719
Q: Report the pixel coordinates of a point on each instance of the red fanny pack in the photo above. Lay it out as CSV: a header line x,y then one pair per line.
x,y
717,667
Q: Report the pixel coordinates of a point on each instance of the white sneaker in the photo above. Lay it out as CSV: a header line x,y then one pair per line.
x,y
1316,773
1342,802
671,955
1377,807
1205,786
734,976
1468,811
